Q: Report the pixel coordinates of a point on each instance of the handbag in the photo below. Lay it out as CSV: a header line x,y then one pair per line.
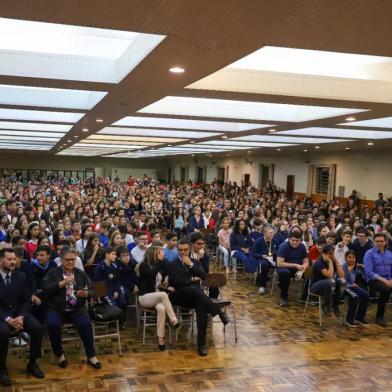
x,y
104,312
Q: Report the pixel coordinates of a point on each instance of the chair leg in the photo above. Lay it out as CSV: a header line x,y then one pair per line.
x,y
118,338
273,282
235,325
306,304
144,327
320,312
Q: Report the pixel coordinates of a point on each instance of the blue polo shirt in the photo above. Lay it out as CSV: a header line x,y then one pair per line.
x,y
378,264
292,255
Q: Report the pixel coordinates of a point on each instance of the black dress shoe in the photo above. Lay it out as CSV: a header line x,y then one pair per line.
x,y
202,350
224,318
34,370
96,365
381,321
4,378
63,364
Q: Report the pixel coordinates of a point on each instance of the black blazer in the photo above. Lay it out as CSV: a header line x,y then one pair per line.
x,y
180,275
55,296
15,300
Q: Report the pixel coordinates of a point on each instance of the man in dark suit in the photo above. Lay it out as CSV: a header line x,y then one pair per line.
x,y
183,276
15,317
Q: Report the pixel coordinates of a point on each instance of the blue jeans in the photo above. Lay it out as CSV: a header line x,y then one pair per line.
x,y
247,260
358,300
327,287
262,273
80,320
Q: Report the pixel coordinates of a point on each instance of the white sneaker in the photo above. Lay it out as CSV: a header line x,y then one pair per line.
x,y
261,290
18,342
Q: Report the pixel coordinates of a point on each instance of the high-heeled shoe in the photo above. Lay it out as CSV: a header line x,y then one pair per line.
x,y
162,347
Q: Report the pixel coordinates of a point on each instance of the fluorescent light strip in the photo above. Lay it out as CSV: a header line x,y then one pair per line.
x,y
32,134
222,108
25,138
49,97
57,51
338,132
175,123
385,122
238,144
315,62
146,138
39,115
155,132
288,139
110,145
25,126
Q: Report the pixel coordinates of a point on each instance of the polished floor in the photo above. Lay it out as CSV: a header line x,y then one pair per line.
x,y
277,350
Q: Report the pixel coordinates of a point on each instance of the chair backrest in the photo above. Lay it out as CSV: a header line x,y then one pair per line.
x,y
100,289
215,279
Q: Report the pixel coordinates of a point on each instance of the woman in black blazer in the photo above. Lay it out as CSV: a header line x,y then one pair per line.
x,y
149,295
66,289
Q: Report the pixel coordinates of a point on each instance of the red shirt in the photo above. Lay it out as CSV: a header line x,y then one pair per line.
x,y
314,254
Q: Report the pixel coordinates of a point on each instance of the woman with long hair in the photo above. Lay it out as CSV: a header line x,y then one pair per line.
x,y
241,244
32,239
150,277
92,254
116,240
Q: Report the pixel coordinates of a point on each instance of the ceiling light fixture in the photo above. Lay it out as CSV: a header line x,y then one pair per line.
x,y
278,149
317,147
85,130
76,136
177,70
350,118
272,130
347,148
99,120
370,144
224,137
305,150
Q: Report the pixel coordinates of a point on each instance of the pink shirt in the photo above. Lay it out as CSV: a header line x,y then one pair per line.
x,y
224,237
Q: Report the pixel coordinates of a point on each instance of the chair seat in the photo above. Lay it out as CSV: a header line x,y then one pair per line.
x,y
221,302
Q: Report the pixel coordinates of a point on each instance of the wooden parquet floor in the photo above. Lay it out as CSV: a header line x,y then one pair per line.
x,y
278,350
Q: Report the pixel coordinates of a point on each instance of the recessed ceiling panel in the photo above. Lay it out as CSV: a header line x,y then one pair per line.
x,y
338,132
57,51
176,123
49,97
222,108
385,122
39,115
40,127
289,139
117,138
156,132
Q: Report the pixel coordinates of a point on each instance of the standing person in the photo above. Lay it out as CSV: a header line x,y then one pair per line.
x,y
15,315
264,251
66,290
150,278
183,274
292,260
378,270
358,298
224,242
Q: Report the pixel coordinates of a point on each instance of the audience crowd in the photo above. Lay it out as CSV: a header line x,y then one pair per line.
x,y
154,242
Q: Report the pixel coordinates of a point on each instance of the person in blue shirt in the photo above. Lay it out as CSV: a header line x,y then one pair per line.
x,y
241,246
257,231
107,271
358,298
170,250
378,270
196,222
328,280
40,266
292,260
104,234
360,246
264,250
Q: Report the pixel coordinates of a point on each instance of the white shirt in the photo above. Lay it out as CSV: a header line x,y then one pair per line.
x,y
137,254
4,274
78,262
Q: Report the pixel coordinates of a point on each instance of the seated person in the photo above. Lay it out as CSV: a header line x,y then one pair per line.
x,y
327,280
107,271
93,254
358,298
360,246
170,249
182,275
40,266
316,249
67,244
257,231
241,245
66,290
126,273
150,272
331,238
15,315
343,246
224,242
378,269
137,253
292,260
264,250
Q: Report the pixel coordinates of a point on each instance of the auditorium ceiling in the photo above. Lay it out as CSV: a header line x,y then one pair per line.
x,y
150,78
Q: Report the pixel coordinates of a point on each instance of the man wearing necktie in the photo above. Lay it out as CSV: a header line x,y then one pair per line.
x,y
15,315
